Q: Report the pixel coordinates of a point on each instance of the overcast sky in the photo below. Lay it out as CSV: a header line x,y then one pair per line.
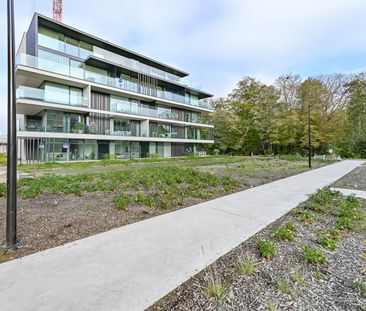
x,y
217,41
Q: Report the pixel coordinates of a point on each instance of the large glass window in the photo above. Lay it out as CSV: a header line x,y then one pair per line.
x,y
72,47
86,49
124,105
62,94
51,39
126,127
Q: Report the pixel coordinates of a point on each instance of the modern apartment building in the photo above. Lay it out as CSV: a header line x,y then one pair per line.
x,y
83,98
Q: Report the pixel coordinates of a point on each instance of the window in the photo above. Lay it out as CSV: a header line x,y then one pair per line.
x,y
62,94
86,50
72,47
51,39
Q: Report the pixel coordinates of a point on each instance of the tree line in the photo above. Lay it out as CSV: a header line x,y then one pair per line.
x,y
257,118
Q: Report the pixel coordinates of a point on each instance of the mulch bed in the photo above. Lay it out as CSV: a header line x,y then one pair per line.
x,y
330,286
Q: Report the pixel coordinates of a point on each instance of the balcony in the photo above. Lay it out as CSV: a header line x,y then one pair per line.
x,y
51,96
62,65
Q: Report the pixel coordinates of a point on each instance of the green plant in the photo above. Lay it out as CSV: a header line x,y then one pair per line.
x,y
79,126
328,242
344,223
305,216
286,231
266,248
318,275
2,190
3,159
245,266
297,277
284,286
215,287
360,286
122,201
314,255
152,155
272,307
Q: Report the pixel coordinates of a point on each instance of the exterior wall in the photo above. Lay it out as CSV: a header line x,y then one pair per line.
x,y
38,142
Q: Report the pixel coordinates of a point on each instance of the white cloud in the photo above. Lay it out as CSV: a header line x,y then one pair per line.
x,y
220,41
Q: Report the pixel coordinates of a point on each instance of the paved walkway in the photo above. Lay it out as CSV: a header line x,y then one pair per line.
x,y
358,193
131,267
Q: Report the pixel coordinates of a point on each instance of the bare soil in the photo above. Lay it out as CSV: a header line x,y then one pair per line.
x,y
52,219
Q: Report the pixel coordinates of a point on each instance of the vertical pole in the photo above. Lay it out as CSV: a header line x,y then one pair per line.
x,y
309,136
11,199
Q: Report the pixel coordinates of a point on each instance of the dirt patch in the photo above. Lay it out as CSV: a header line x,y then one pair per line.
x,y
354,180
51,220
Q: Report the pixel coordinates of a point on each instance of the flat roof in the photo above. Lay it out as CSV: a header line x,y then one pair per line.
x,y
83,36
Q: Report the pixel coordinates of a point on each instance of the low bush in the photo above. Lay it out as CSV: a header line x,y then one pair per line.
x,y
3,159
267,249
122,201
286,232
314,255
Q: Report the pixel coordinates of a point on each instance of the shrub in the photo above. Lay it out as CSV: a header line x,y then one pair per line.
x,y
152,155
266,248
345,223
122,201
329,243
325,196
2,190
305,217
3,159
314,255
286,231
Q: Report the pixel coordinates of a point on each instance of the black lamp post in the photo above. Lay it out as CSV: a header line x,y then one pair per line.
x,y
11,199
309,136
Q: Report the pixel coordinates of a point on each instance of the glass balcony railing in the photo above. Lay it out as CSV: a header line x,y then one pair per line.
x,y
61,65
52,96
49,128
74,50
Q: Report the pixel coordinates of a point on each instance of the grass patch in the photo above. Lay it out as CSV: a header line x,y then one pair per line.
x,y
122,201
314,255
161,186
267,249
215,287
284,286
246,266
286,232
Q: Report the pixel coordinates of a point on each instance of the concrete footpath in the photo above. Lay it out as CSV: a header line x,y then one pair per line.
x,y
132,267
358,193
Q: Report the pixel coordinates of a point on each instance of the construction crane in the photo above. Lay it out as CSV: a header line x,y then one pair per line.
x,y
57,10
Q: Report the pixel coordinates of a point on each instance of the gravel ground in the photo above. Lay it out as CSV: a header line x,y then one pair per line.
x,y
51,219
323,287
354,180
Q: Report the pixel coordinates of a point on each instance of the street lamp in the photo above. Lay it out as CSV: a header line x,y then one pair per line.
x,y
309,136
11,199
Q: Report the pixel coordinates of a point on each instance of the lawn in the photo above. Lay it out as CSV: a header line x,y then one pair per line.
x,y
65,202
313,258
